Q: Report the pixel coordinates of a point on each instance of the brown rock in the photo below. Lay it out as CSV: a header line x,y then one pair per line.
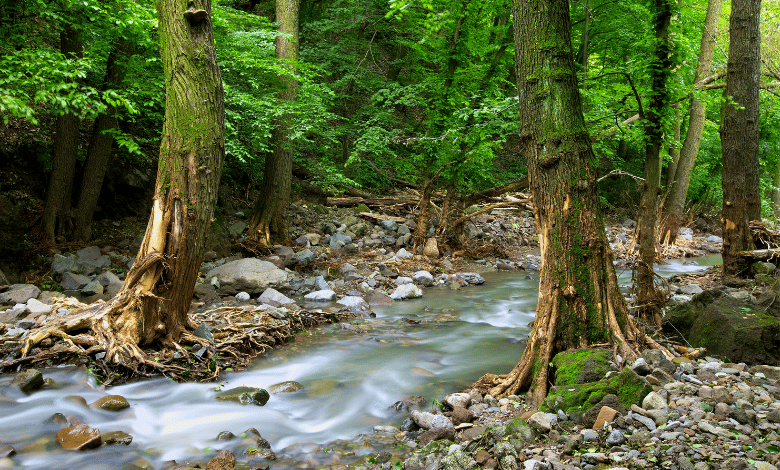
x,y
472,433
28,380
79,437
606,415
461,415
481,456
117,437
377,298
225,460
434,434
111,403
77,400
431,249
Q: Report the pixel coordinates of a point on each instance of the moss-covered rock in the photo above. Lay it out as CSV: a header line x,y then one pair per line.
x,y
245,395
579,366
629,387
737,329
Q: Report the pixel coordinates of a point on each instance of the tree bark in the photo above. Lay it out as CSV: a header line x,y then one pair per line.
x,y
99,150
56,209
739,133
579,301
155,298
268,224
678,186
650,303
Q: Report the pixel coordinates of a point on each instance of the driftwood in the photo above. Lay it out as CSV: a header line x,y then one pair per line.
x,y
495,191
523,203
369,215
372,201
769,254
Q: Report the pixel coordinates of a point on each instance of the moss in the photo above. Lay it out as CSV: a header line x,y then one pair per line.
x,y
577,366
578,398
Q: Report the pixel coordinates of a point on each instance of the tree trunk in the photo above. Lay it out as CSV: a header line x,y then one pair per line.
x,y
775,193
99,150
674,149
155,298
678,187
579,301
739,132
268,224
56,209
650,303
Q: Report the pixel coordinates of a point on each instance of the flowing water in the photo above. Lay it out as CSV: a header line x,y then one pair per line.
x,y
430,346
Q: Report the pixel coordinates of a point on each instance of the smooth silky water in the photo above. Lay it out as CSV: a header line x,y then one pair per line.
x,y
351,380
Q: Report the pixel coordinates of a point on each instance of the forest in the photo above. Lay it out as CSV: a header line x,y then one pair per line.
x,y
660,116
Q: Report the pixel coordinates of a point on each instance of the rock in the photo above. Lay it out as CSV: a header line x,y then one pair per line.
x,y
436,434
606,415
243,297
236,229
106,278
579,366
244,395
770,372
461,415
321,284
653,401
111,403
376,298
540,422
401,280
656,359
423,277
12,315
203,331
79,437
275,298
649,423
714,239
94,266
304,257
37,308
728,327
116,438
225,460
590,417
355,304
431,248
691,289
71,281
92,288
458,399
326,295
615,438
249,274
428,420
61,264
406,291
19,294
402,253
285,387
206,292
28,380
472,278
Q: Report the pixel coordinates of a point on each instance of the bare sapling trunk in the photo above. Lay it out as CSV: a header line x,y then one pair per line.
x,y
579,301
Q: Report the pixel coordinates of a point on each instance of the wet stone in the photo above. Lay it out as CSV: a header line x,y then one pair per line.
x,y
29,380
245,396
79,437
285,387
111,403
117,438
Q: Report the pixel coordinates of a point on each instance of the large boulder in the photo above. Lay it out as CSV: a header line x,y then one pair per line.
x,y
737,329
19,294
249,274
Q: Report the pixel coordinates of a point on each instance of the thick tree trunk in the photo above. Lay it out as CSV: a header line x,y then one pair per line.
x,y
99,150
650,303
268,223
56,209
156,295
739,133
678,186
579,301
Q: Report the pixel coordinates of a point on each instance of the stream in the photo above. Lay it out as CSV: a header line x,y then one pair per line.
x,y
351,377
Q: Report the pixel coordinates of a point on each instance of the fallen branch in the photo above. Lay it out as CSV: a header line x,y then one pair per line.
x,y
521,202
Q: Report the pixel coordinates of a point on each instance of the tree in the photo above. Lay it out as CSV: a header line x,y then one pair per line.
x,y
56,210
650,304
268,224
155,298
679,179
739,132
579,301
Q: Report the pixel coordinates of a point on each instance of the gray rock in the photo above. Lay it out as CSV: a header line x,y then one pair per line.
x,y
19,294
659,417
589,435
401,280
321,284
352,276
615,438
61,264
89,253
429,420
406,291
641,367
325,295
28,380
304,257
389,225
37,308
203,331
653,401
273,297
94,266
236,229
248,274
106,278
12,315
403,229
355,303
691,289
714,239
302,241
243,297
540,422
472,278
92,288
423,277
71,281
649,423
402,253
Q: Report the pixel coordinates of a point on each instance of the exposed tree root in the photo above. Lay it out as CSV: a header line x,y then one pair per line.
x,y
240,334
